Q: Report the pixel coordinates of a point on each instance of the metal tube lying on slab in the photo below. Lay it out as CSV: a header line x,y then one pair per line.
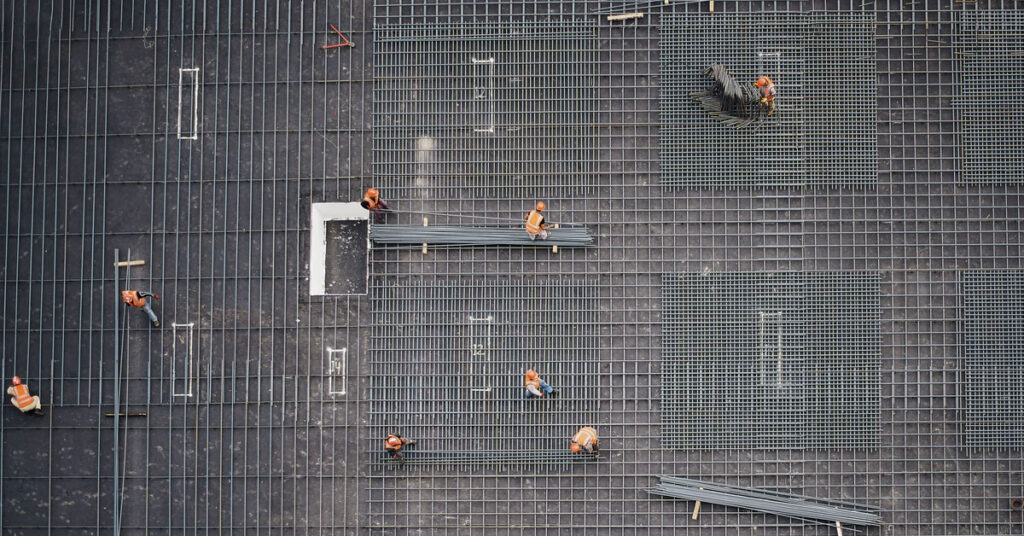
x,y
564,236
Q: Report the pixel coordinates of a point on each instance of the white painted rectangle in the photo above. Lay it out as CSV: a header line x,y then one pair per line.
x,y
188,104
337,371
182,359
483,94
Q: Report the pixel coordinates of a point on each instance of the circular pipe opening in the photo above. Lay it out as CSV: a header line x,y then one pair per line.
x,y
1017,504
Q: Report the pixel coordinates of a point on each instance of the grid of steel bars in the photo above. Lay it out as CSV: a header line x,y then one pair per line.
x,y
919,230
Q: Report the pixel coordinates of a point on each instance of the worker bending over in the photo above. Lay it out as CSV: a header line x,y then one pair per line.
x,y
767,88
536,386
137,298
372,202
393,446
22,399
585,439
535,225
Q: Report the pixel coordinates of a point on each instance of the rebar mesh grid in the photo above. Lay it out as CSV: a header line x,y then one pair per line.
x,y
823,130
991,58
993,362
484,109
70,157
763,360
448,357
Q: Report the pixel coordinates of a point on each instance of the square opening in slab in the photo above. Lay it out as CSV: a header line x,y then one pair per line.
x,y
339,242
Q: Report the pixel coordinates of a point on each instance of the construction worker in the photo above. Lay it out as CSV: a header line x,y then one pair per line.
x,y
585,439
372,202
535,225
22,399
393,446
137,298
536,386
767,88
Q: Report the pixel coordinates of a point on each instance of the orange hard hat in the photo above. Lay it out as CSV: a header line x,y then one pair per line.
x,y
15,381
393,440
575,447
531,374
541,205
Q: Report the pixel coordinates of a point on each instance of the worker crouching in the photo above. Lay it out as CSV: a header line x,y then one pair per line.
x,y
393,446
137,298
372,202
767,88
22,399
585,439
536,386
535,225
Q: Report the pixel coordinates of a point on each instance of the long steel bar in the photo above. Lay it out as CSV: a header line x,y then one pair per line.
x,y
477,236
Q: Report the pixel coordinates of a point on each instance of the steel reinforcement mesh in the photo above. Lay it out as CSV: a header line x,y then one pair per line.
x,y
993,362
448,356
823,130
484,109
991,60
770,360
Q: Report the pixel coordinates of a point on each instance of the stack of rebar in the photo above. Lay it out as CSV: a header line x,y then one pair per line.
x,y
769,502
574,236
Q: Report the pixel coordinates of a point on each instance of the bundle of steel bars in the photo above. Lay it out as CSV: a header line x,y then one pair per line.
x,y
769,502
477,236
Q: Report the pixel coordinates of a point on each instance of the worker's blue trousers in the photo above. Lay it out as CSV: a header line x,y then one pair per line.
x,y
150,313
543,387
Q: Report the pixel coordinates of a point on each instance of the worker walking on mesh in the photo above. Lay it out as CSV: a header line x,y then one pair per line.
x,y
22,399
372,202
585,439
137,298
767,88
535,224
536,386
393,446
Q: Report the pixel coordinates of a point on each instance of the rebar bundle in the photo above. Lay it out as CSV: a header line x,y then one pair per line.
x,y
769,502
575,236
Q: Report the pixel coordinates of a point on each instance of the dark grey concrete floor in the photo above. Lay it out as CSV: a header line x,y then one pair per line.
x,y
92,162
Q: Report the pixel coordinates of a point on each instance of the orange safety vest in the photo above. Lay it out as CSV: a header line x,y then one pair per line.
x,y
533,222
371,198
767,88
535,383
21,396
131,297
586,437
393,442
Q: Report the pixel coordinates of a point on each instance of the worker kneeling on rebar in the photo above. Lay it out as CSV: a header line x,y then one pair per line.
x,y
393,446
535,224
137,298
585,439
22,399
536,386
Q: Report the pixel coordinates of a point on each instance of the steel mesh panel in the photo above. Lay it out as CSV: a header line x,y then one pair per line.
x,y
992,72
484,108
762,360
993,358
448,357
822,133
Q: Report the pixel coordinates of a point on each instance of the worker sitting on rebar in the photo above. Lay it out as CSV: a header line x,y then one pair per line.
x,y
536,386
372,202
585,439
535,225
22,399
767,88
393,446
137,298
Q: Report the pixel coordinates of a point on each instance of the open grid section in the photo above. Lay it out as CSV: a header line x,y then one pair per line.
x,y
993,360
991,61
821,134
770,360
481,110
90,100
448,358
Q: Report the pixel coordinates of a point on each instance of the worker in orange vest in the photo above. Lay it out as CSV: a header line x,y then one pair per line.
x,y
137,298
536,386
535,225
767,88
372,202
393,446
22,399
585,439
